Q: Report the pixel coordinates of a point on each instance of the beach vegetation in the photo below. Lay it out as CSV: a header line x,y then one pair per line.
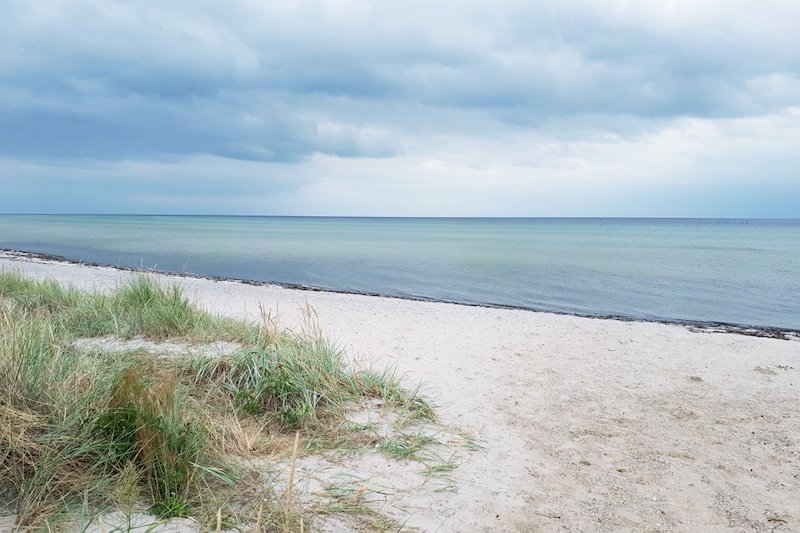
x,y
85,431
406,445
443,467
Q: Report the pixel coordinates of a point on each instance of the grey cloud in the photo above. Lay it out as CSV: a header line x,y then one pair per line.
x,y
276,82
523,63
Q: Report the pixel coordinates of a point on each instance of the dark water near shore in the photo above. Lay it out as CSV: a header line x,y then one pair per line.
x,y
733,271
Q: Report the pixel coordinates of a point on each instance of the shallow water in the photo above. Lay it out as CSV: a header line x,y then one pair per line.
x,y
734,271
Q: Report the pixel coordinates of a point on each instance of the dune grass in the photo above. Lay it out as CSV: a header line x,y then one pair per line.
x,y
91,430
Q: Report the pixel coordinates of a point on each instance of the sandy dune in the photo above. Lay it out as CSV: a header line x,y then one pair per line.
x,y
586,424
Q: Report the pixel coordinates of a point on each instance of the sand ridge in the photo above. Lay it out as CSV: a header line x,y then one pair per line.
x,y
585,424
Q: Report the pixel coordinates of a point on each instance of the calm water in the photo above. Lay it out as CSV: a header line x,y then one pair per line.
x,y
734,271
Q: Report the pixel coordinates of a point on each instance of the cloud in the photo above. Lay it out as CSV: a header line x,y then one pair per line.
x,y
323,107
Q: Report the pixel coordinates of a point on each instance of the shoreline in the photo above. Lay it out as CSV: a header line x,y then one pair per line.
x,y
698,325
578,424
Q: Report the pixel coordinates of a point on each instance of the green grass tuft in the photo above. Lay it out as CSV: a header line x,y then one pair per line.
x,y
301,381
406,446
440,468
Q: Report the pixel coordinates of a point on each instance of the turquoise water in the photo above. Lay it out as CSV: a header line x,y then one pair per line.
x,y
733,271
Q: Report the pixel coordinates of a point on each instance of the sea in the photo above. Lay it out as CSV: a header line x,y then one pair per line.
x,y
742,272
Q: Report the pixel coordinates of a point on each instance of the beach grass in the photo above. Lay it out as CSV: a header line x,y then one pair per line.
x,y
86,431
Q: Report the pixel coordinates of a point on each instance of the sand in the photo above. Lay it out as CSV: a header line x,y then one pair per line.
x,y
585,424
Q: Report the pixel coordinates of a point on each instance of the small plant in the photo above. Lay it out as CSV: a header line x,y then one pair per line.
x,y
406,446
444,467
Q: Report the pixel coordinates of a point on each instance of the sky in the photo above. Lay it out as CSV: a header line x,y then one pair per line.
x,y
410,108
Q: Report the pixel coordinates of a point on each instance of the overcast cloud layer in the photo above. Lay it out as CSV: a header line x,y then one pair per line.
x,y
505,108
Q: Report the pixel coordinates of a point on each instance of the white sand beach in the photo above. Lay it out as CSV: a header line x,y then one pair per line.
x,y
584,424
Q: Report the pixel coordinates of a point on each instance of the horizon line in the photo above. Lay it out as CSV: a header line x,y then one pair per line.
x,y
445,217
